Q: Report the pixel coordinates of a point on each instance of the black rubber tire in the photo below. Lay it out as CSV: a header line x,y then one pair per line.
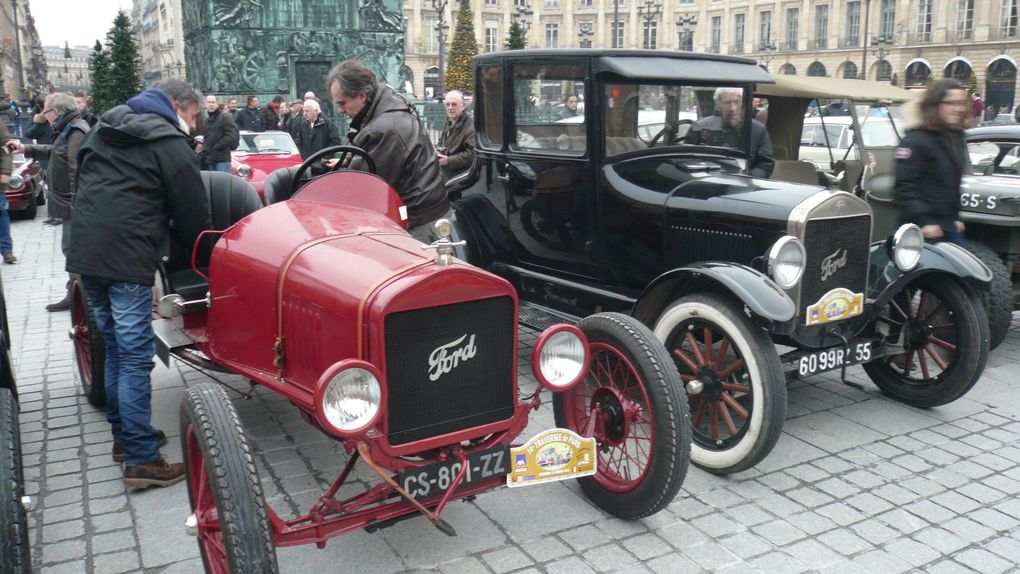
x,y
767,413
208,416
998,300
30,211
971,337
671,452
14,549
40,199
92,345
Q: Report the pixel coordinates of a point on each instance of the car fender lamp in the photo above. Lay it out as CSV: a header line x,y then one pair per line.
x,y
560,358
349,397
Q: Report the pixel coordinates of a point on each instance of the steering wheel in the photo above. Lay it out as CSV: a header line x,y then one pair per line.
x,y
666,129
344,149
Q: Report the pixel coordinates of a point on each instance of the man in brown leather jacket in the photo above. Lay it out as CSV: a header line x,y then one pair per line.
x,y
388,129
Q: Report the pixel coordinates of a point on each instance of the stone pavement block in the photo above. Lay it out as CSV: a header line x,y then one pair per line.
x,y
811,522
840,513
809,496
1006,547
646,546
716,525
881,561
777,562
748,515
72,567
844,541
112,541
62,497
683,536
162,537
505,560
813,554
831,433
902,520
515,511
469,565
545,549
63,530
584,537
779,481
710,555
780,505
115,563
912,551
983,561
968,529
673,564
433,546
887,417
609,558
930,511
779,532
993,519
64,550
942,540
874,531
569,565
868,503
895,494
789,451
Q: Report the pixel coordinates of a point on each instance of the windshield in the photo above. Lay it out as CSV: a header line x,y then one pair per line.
x,y
639,116
267,143
881,126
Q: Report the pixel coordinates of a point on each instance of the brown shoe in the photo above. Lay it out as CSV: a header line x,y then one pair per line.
x,y
10,258
62,305
118,446
156,473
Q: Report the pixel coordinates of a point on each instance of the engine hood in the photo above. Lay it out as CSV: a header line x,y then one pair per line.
x,y
741,197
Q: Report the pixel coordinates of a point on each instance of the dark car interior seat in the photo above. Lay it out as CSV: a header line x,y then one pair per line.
x,y
278,182
230,200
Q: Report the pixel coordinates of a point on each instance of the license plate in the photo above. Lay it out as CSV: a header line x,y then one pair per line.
x,y
436,478
834,358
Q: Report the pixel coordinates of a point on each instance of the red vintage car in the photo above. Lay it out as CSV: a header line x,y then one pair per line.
x,y
325,299
261,153
25,192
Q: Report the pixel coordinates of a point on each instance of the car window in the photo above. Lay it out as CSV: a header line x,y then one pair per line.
x,y
880,126
548,108
994,158
270,142
638,116
490,106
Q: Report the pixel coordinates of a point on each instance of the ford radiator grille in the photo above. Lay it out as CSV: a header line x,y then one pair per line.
x,y
449,368
837,256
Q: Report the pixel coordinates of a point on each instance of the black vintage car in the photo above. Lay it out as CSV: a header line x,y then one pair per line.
x,y
640,204
14,550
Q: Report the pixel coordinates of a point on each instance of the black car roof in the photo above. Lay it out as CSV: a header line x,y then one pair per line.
x,y
649,64
1005,131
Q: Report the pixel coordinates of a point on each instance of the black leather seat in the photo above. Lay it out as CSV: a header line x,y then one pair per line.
x,y
230,200
278,184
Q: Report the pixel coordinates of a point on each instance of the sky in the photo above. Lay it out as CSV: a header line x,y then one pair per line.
x,y
76,22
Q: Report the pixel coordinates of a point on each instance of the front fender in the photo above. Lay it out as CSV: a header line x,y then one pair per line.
x,y
757,292
945,258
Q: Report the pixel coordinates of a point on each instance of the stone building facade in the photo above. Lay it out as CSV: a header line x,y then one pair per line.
x,y
159,29
901,41
68,67
22,67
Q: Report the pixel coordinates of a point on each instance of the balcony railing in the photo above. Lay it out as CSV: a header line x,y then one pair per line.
x,y
818,44
712,49
850,42
736,48
923,38
961,35
1005,33
788,46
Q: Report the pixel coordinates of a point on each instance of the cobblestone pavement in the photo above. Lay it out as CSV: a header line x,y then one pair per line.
x,y
856,484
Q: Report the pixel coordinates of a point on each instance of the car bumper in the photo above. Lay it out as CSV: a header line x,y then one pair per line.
x,y
19,200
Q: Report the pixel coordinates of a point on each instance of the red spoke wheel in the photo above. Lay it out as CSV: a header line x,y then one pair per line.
x,y
89,347
736,390
14,548
640,418
233,528
944,337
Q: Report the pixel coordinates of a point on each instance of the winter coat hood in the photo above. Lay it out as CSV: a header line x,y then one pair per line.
x,y
149,116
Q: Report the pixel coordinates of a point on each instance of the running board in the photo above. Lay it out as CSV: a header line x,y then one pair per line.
x,y
539,318
169,339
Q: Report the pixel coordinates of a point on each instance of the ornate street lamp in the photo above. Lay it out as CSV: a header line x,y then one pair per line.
x,y
441,27
685,26
767,50
650,11
523,17
584,34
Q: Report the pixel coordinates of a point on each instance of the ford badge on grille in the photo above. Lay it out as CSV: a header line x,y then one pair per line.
x,y
442,360
833,263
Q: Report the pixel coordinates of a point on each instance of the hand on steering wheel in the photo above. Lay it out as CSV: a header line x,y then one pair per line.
x,y
336,163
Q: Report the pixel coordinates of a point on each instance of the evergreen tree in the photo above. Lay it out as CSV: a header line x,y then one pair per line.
x,y
99,76
516,40
125,61
463,48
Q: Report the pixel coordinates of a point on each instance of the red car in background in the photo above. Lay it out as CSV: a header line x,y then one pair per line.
x,y
25,192
261,153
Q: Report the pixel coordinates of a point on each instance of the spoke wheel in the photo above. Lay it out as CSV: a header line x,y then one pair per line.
x,y
14,549
998,300
945,340
233,529
89,347
736,390
632,404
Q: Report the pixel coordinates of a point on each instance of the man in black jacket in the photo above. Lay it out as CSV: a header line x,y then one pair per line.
x,y
388,129
69,130
250,119
456,153
316,132
727,130
138,172
220,137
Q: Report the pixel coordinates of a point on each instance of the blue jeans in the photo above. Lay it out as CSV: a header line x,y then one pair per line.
x,y
6,243
123,313
219,166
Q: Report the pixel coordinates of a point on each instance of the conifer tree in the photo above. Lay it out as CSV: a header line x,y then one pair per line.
x,y
516,40
99,76
125,61
463,48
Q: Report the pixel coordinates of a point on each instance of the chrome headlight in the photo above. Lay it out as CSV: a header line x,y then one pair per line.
x,y
244,171
907,246
351,399
786,261
16,182
560,359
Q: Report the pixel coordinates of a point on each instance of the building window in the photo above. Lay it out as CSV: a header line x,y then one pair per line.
x,y
431,36
552,35
792,27
552,3
617,32
965,19
1008,19
490,2
685,40
649,34
716,43
887,19
520,3
883,71
923,21
853,24
585,3
491,36
738,34
765,29
584,34
821,27
850,71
